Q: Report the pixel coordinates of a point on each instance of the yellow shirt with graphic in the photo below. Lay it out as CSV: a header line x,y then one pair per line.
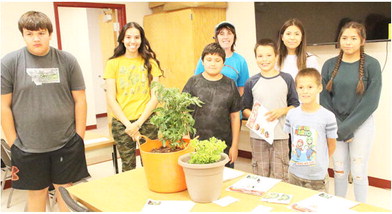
x,y
132,86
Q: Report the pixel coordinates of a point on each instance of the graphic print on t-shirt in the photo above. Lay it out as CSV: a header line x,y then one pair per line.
x,y
304,146
44,75
133,80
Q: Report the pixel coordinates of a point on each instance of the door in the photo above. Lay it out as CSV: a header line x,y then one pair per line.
x,y
88,33
178,38
171,39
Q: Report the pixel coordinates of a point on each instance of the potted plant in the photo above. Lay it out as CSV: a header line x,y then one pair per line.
x,y
160,157
204,169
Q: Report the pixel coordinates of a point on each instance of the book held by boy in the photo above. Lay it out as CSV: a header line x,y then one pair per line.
x,y
257,123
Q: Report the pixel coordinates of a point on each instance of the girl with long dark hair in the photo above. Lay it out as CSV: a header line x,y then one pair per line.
x,y
128,74
352,87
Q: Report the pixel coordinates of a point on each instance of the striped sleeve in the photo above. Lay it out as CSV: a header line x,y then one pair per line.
x,y
332,126
247,97
292,96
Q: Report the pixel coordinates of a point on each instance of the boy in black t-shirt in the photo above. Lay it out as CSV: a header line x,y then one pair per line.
x,y
219,116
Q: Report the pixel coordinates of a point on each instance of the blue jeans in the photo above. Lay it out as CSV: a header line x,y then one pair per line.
x,y
353,157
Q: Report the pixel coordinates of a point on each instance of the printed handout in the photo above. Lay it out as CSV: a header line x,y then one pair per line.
x,y
254,185
257,123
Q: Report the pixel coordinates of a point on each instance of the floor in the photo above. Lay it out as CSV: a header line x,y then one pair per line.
x,y
100,166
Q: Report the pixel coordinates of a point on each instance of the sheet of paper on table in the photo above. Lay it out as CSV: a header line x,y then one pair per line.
x,y
162,206
225,201
254,185
323,201
229,174
261,209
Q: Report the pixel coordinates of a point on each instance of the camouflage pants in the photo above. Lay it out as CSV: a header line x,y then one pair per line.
x,y
318,185
126,146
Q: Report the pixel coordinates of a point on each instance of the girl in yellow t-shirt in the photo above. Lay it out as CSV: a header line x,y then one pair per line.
x,y
128,74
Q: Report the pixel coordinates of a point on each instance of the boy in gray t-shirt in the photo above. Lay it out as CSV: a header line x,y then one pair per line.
x,y
43,114
313,131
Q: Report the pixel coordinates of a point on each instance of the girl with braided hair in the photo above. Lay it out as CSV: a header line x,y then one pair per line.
x,y
352,87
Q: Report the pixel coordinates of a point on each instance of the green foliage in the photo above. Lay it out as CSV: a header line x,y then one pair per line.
x,y
173,118
207,151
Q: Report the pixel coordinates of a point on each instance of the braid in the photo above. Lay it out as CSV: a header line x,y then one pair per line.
x,y
360,87
334,72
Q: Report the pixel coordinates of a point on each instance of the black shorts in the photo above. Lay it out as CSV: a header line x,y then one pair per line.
x,y
35,171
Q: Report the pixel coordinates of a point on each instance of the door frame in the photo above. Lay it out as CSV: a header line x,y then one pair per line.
x,y
121,13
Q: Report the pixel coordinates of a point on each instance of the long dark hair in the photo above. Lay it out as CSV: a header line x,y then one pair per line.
x,y
300,51
144,50
362,33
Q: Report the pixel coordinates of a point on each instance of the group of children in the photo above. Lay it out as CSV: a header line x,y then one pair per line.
x,y
37,79
340,124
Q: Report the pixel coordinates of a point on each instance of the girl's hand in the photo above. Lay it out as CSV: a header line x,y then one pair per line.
x,y
136,136
132,129
275,114
233,154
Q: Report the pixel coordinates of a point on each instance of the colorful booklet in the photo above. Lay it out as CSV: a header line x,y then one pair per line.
x,y
257,123
323,201
254,185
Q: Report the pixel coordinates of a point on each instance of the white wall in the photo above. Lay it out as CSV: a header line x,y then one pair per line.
x,y
242,15
98,62
75,39
136,11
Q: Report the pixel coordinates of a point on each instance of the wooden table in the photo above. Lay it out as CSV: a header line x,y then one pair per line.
x,y
102,143
128,192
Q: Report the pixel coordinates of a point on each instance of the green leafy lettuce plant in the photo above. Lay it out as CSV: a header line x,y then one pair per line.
x,y
173,116
206,151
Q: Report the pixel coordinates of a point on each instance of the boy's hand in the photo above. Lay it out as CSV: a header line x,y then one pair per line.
x,y
233,154
275,114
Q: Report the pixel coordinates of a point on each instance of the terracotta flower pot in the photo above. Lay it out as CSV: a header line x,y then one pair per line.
x,y
204,181
162,170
